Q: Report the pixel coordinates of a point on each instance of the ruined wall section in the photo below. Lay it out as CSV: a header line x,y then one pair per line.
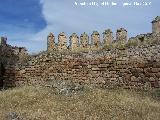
x,y
145,39
156,25
10,56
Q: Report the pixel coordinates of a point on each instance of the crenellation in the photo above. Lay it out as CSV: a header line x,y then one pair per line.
x,y
74,41
62,41
108,40
108,37
121,35
50,42
84,40
95,39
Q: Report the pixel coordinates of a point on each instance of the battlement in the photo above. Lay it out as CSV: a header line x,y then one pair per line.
x,y
82,42
105,61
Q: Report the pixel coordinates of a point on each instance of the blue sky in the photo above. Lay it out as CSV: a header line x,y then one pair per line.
x,y
28,22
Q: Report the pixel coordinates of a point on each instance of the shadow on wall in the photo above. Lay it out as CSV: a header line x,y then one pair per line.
x,y
9,57
8,60
2,71
7,76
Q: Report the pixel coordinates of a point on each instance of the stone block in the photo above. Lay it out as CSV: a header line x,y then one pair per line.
x,y
155,70
134,79
152,79
96,69
128,77
150,74
103,65
157,75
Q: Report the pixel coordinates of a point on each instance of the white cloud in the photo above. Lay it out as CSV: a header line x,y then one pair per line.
x,y
64,16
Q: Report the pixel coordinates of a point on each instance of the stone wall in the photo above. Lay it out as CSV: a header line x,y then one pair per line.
x,y
131,68
133,63
10,55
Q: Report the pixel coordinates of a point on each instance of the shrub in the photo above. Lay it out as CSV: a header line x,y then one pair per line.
x,y
131,43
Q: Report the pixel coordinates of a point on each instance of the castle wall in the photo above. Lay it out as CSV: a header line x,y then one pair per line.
x,y
130,64
131,68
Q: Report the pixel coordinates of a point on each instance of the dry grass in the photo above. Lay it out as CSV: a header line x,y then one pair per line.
x,y
39,103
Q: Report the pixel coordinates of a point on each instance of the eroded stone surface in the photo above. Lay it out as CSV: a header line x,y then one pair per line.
x,y
108,37
62,41
133,68
74,41
84,40
121,35
95,39
136,66
50,42
156,25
